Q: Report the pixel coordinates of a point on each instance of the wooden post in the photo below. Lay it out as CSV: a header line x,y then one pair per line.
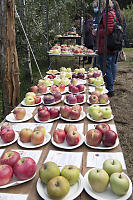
x,y
9,60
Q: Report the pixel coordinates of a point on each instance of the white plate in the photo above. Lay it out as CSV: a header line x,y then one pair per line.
x,y
108,194
65,145
50,120
90,84
24,104
78,92
82,116
100,104
29,145
2,144
92,89
73,193
102,120
101,146
54,103
15,182
11,118
75,103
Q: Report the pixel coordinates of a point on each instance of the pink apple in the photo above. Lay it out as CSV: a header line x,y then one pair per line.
x,y
77,107
42,89
73,138
80,98
37,138
25,135
65,111
109,138
54,89
43,115
19,113
74,89
9,158
74,114
6,125
97,93
25,168
7,135
6,173
57,96
62,87
54,112
90,75
93,99
34,89
59,135
97,73
93,137
102,127
37,99
81,87
103,98
71,99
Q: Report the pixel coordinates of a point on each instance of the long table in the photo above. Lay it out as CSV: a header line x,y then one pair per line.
x,y
30,187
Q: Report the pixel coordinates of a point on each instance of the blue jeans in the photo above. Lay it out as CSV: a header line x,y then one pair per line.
x,y
110,69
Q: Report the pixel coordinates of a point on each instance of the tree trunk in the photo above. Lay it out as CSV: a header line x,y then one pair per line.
x,y
9,59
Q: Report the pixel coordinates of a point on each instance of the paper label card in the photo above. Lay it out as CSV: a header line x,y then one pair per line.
x,y
1,152
5,196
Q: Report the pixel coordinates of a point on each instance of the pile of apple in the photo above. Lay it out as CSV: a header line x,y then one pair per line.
x,y
64,69
19,113
73,99
112,174
96,97
72,113
65,74
55,49
52,98
42,89
44,114
82,70
60,88
65,81
98,113
35,136
98,81
58,182
94,72
76,88
70,134
79,75
101,134
31,98
45,82
7,133
52,76
11,164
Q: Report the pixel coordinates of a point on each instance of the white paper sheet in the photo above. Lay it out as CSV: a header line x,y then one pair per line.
x,y
18,127
80,127
1,152
96,159
65,158
5,196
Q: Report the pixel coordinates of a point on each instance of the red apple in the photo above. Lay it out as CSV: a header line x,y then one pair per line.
x,y
40,128
94,137
19,113
102,127
54,112
81,87
54,89
97,93
48,99
74,114
69,128
103,98
43,115
90,75
42,89
6,173
34,89
37,99
57,96
25,135
70,87
42,108
80,98
77,107
25,168
62,87
96,73
73,138
81,75
65,111
71,99
50,76
7,135
9,158
109,138
37,138
6,125
74,89
93,99
59,135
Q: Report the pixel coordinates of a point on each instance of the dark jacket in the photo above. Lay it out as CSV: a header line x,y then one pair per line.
x,y
88,37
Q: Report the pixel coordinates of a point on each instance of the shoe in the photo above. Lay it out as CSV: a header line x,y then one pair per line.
x,y
111,94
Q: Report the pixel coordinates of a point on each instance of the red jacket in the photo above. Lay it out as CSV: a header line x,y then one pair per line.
x,y
109,31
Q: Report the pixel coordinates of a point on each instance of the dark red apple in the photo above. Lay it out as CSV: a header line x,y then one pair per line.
x,y
54,112
9,158
57,96
80,98
74,114
70,87
42,108
25,168
93,99
73,138
81,87
6,173
34,89
81,75
90,75
93,137
74,75
109,138
71,99
37,99
7,135
65,111
43,115
59,135
74,89
48,99
102,127
96,73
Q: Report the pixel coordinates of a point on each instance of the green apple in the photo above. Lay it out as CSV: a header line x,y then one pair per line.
x,y
106,111
58,187
71,173
41,82
47,82
82,70
91,69
95,69
62,75
97,115
98,179
29,100
69,69
112,165
92,80
63,69
48,171
93,107
57,81
65,81
97,82
119,183
99,88
69,74
76,71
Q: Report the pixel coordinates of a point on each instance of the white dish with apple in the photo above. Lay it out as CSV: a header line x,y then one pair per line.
x,y
24,104
11,118
92,89
73,193
82,116
65,145
102,120
100,104
78,92
108,194
29,145
50,120
2,144
75,103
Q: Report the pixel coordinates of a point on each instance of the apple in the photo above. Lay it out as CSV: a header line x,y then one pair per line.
x,y
9,158
93,107
102,127
41,129
48,99
80,87
74,114
81,75
19,113
65,111
70,127
69,69
99,88
48,171
6,173
70,87
47,82
74,75
59,135
90,75
42,89
57,96
74,81
42,108
91,80
119,183
54,89
63,69
98,179
65,81
54,112
91,69
37,99
103,98
93,99
31,94
34,89
7,135
93,137
25,168
109,138
97,115
44,115
96,93
73,137
74,89
71,99
6,125
69,74
37,138
96,73
62,87
106,111
77,107
58,187
50,76
112,166
41,82
80,98
29,100
25,135
57,81
71,173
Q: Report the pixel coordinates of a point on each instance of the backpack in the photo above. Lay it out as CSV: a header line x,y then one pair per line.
x,y
114,40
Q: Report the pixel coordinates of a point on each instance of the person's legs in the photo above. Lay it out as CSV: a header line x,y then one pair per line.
x,y
100,61
114,65
109,75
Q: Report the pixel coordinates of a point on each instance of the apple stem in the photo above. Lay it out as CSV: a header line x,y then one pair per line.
x,y
97,170
57,184
120,176
113,162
